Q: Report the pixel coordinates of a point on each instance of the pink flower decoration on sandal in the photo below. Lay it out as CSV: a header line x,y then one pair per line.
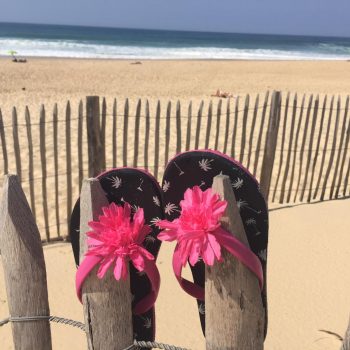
x,y
117,238
199,234
196,229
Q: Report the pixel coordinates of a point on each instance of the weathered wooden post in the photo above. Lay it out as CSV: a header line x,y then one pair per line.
x,y
270,144
24,268
107,303
95,147
234,310
346,341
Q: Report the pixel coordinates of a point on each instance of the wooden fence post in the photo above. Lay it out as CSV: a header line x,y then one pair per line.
x,y
107,303
24,268
95,147
346,341
270,144
234,310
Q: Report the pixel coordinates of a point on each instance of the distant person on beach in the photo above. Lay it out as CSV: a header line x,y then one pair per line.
x,y
223,94
13,54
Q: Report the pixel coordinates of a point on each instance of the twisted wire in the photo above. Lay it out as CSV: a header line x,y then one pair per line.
x,y
136,345
55,319
151,344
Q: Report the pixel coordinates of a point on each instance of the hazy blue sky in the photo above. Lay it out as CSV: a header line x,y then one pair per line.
x,y
318,17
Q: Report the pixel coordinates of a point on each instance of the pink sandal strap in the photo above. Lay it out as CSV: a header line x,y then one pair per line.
x,y
234,247
151,270
116,239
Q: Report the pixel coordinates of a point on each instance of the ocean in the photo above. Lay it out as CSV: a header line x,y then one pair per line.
x,y
37,40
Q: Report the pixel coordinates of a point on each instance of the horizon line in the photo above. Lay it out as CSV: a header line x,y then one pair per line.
x,y
180,30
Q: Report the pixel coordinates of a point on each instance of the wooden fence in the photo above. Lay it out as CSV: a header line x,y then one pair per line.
x,y
297,147
108,320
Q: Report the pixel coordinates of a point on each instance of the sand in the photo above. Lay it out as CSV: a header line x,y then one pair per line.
x,y
309,250
56,80
308,281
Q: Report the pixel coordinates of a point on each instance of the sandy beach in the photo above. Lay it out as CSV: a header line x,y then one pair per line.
x,y
59,80
308,260
307,286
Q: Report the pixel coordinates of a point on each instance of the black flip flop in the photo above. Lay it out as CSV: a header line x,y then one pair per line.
x,y
198,168
139,189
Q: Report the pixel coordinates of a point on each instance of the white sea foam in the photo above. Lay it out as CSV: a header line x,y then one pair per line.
x,y
75,49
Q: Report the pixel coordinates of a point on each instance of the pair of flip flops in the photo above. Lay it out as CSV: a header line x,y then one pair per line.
x,y
190,170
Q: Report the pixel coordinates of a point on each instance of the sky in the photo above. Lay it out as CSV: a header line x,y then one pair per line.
x,y
300,17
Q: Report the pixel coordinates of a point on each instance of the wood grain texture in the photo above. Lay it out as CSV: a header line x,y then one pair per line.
x,y
280,163
24,268
94,135
137,133
167,133
310,150
16,146
234,311
218,119
332,153
346,145
114,133
107,303
147,128
80,143
68,163
125,133
270,145
302,148
31,162
227,124
103,133
55,159
209,121
156,141
189,127
313,174
262,125
252,130
325,145
3,144
289,152
44,171
199,123
340,149
178,128
244,129
296,140
235,126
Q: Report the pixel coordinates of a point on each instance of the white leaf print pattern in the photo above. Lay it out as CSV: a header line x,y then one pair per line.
x,y
181,172
205,164
147,322
170,208
241,204
140,186
154,221
149,239
135,208
201,309
166,186
237,184
156,201
250,222
116,181
263,255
